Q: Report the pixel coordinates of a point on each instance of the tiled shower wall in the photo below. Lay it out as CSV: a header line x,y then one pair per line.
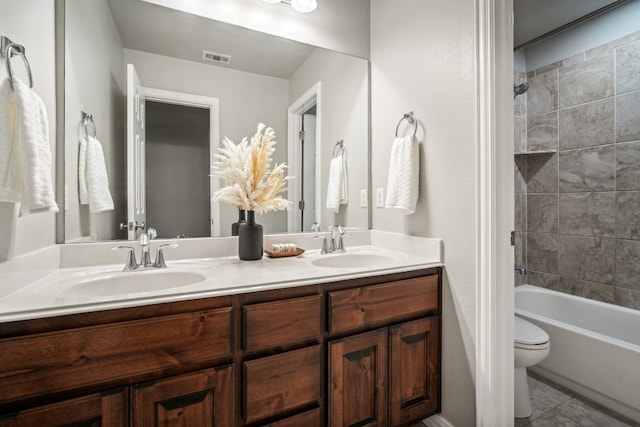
x,y
578,208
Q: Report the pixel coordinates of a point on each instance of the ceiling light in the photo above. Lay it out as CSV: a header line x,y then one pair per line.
x,y
303,6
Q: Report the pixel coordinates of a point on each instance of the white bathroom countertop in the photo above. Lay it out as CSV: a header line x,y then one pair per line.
x,y
45,283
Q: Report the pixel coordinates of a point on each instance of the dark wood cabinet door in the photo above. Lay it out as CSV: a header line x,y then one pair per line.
x,y
110,409
358,380
199,399
414,367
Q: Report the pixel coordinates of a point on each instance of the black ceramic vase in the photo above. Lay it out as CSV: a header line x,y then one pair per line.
x,y
250,239
242,218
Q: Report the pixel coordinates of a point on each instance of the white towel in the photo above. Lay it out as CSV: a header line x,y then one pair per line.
x,y
403,179
25,152
93,181
338,186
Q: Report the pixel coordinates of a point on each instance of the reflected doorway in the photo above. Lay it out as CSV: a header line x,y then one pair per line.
x,y
177,170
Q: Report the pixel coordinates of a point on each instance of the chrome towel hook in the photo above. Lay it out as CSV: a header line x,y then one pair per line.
x,y
86,120
338,149
9,50
409,117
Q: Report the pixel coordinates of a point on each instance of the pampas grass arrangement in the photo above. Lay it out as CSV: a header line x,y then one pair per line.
x,y
244,168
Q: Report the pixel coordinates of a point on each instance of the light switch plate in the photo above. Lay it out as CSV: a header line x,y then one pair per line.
x,y
363,198
380,197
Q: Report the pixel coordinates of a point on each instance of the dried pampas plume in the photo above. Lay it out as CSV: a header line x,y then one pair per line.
x,y
245,170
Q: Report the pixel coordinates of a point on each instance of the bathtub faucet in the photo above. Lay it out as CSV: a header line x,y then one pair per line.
x,y
521,269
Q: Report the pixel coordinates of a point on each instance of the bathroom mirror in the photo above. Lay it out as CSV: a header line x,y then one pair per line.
x,y
194,81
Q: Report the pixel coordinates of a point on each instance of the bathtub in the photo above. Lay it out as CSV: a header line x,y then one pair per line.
x,y
595,347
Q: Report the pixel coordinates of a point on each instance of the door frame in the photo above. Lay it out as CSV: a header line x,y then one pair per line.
x,y
213,105
295,112
495,201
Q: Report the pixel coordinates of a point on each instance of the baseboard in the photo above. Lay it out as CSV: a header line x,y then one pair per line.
x,y
436,421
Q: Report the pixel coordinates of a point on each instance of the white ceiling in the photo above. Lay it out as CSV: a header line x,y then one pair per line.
x,y
533,18
151,28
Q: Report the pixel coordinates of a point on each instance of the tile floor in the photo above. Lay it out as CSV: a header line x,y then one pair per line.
x,y
555,406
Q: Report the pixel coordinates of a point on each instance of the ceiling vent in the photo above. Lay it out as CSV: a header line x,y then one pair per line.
x,y
216,57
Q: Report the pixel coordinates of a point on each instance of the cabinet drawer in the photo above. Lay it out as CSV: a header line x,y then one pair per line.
x,y
70,359
307,419
362,307
276,384
272,324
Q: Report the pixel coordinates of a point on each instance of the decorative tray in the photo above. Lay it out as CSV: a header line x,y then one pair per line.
x,y
272,254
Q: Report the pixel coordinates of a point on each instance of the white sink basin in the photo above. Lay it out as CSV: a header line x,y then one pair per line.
x,y
125,283
349,260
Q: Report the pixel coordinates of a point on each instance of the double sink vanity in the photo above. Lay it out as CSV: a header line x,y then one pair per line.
x,y
319,339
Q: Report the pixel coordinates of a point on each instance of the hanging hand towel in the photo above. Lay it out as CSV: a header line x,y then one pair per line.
x,y
27,178
338,186
403,179
93,181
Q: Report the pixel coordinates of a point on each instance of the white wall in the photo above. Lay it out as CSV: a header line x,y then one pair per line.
x,y
336,24
343,114
31,24
94,83
265,100
423,60
603,29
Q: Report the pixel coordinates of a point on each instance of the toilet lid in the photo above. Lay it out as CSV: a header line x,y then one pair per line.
x,y
528,334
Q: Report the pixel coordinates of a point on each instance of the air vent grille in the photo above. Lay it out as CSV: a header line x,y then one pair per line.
x,y
216,57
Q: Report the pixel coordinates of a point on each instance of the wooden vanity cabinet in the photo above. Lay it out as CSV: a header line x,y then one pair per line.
x,y
358,352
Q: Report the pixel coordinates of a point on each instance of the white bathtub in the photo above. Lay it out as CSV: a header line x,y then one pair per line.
x,y
595,347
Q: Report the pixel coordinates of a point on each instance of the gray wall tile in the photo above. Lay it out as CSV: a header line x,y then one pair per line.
x,y
628,68
542,132
591,290
588,214
520,212
587,169
628,166
628,215
627,265
542,213
585,82
542,96
628,298
628,117
519,134
542,252
587,258
542,173
587,125
544,280
520,174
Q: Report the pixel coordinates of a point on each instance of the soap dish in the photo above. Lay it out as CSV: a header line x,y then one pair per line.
x,y
273,254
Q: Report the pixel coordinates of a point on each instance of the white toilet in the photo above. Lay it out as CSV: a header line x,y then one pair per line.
x,y
531,346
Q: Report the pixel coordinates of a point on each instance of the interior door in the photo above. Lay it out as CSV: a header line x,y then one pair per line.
x,y
136,198
308,211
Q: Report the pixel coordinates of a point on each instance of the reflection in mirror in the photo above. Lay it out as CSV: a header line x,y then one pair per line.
x,y
165,87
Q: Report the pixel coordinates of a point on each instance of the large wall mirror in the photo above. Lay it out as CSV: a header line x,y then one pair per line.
x,y
151,92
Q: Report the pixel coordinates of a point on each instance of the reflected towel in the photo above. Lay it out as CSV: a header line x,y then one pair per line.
x,y
25,151
338,185
403,179
93,181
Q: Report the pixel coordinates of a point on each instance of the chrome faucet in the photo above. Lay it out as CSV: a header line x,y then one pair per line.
x,y
145,257
336,243
521,269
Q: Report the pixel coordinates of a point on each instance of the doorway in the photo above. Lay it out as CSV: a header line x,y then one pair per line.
x,y
177,170
307,206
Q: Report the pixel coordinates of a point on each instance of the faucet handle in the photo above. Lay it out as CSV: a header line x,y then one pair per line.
x,y
131,263
324,249
340,246
159,262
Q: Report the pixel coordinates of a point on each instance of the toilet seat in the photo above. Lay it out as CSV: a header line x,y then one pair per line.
x,y
529,336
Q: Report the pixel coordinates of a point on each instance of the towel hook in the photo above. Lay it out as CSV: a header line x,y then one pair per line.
x,y
9,50
86,119
409,117
339,148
